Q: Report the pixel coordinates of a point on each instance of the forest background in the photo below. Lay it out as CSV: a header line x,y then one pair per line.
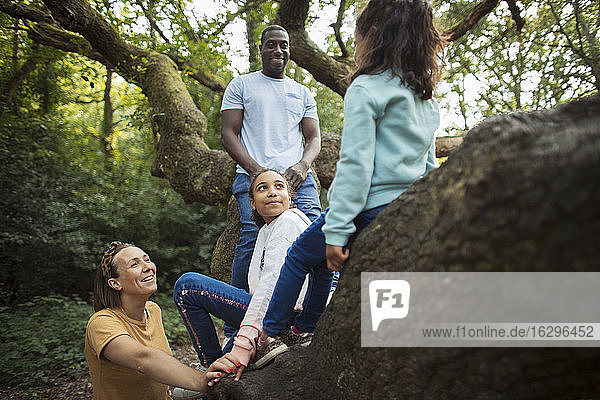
x,y
77,142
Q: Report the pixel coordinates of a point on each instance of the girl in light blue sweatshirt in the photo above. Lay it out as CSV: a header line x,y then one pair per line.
x,y
388,142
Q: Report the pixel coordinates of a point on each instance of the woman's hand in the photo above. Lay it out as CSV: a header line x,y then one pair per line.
x,y
336,257
222,366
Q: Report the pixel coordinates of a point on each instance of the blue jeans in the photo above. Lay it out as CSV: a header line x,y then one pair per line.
x,y
306,256
197,297
307,201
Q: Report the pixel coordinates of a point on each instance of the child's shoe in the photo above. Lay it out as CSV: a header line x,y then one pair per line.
x,y
294,336
267,351
185,394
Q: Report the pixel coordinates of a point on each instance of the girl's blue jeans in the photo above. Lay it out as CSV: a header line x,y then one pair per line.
x,y
306,256
197,297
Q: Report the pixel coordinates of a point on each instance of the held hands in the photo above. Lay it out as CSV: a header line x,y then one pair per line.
x,y
296,174
336,257
218,369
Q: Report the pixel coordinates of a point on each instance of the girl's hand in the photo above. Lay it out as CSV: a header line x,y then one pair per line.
x,y
221,368
336,257
238,375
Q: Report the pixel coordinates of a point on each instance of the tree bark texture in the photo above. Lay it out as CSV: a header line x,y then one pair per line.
x,y
521,194
107,121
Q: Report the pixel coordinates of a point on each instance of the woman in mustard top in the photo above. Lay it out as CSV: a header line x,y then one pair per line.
x,y
125,344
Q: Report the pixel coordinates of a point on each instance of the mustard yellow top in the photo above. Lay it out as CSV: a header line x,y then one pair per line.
x,y
112,381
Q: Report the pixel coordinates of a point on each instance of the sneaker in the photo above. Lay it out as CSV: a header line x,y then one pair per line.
x,y
185,394
226,341
198,366
292,337
267,352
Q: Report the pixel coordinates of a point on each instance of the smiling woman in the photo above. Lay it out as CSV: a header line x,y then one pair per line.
x,y
125,343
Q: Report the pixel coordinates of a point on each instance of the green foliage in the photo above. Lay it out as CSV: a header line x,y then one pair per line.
x,y
495,68
42,339
65,199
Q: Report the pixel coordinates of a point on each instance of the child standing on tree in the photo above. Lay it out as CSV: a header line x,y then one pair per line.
x,y
388,142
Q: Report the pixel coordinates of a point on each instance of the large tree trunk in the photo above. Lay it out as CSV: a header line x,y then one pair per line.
x,y
521,194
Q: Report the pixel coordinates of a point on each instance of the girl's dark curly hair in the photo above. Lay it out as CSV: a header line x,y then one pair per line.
x,y
255,216
400,35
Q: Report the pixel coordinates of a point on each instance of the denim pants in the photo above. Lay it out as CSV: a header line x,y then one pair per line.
x,y
307,201
197,297
306,256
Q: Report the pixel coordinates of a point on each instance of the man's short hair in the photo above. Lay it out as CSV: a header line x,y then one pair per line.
x,y
270,28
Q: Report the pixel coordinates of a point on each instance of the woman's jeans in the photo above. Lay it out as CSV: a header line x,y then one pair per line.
x,y
307,201
198,297
306,256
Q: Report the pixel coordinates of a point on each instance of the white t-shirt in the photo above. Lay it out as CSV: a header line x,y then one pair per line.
x,y
273,109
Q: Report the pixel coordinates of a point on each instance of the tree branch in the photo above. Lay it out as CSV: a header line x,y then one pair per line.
x,y
337,25
6,96
152,22
54,36
328,70
211,81
193,170
20,11
250,4
516,14
479,11
50,35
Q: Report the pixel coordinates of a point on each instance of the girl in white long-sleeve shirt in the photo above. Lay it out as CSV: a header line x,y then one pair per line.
x,y
198,296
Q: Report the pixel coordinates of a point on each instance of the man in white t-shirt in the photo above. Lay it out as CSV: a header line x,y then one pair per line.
x,y
269,121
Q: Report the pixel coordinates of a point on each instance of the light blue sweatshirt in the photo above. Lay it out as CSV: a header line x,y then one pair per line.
x,y
388,142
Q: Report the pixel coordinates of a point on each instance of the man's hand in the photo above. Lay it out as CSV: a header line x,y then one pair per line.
x,y
336,257
296,174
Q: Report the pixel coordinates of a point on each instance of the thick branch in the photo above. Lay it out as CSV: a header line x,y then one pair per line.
x,y
516,14
211,81
196,172
50,35
479,11
20,11
337,25
328,70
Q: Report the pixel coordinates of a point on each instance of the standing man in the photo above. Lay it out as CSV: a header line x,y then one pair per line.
x,y
269,121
